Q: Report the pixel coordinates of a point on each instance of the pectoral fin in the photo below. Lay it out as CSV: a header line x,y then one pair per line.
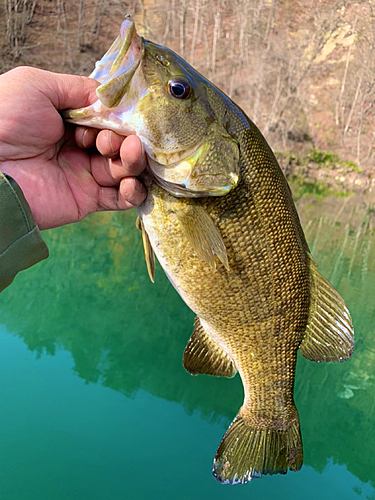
x,y
329,332
148,251
202,234
203,355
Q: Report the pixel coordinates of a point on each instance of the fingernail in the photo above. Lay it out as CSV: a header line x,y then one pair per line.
x,y
110,142
84,137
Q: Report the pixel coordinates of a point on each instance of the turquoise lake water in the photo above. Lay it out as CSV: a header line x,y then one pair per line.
x,y
95,403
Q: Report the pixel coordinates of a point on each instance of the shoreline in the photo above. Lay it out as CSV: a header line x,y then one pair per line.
x,y
326,174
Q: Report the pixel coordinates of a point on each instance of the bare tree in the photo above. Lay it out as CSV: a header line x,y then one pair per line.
x,y
18,15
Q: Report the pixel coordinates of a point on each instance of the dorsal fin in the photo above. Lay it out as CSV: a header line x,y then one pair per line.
x,y
329,332
148,251
203,355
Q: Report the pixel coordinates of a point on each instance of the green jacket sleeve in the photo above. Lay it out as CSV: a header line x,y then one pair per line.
x,y
21,244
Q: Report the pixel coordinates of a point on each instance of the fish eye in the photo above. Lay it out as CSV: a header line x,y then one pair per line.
x,y
179,88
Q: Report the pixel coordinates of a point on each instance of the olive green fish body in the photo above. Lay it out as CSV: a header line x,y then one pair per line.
x,y
221,220
257,310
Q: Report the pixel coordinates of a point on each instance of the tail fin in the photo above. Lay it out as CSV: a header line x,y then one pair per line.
x,y
246,452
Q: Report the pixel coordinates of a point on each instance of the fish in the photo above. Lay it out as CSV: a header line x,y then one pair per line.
x,y
220,218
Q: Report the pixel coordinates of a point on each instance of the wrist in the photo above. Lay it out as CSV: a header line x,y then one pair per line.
x,y
25,187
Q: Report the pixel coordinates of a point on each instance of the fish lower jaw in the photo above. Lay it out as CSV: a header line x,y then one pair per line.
x,y
122,119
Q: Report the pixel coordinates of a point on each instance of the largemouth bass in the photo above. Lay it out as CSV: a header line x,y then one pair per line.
x,y
219,217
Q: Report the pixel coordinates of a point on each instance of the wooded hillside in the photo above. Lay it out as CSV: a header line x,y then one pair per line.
x,y
303,70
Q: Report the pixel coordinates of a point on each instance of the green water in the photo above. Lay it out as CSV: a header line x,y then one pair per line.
x,y
95,403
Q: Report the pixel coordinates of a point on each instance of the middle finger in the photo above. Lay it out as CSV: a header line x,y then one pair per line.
x,y
108,143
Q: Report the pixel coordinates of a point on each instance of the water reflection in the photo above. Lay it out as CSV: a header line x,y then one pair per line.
x,y
341,234
94,299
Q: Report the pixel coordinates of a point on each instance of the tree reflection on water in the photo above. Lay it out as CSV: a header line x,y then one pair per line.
x,y
93,298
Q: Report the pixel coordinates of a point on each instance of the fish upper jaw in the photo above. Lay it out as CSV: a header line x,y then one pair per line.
x,y
121,55
116,68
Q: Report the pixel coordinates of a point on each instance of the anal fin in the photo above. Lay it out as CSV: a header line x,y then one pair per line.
x,y
203,355
148,251
329,332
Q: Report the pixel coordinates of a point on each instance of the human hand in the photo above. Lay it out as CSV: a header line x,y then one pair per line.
x,y
61,181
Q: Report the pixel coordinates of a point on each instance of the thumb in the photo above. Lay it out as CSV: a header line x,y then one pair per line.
x,y
67,91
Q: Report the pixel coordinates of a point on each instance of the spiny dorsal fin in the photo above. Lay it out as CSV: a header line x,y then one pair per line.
x,y
149,253
329,332
203,355
202,234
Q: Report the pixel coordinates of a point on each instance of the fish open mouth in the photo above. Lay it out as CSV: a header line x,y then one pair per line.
x,y
118,65
114,71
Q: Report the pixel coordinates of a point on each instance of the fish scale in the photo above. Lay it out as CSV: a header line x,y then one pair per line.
x,y
220,218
